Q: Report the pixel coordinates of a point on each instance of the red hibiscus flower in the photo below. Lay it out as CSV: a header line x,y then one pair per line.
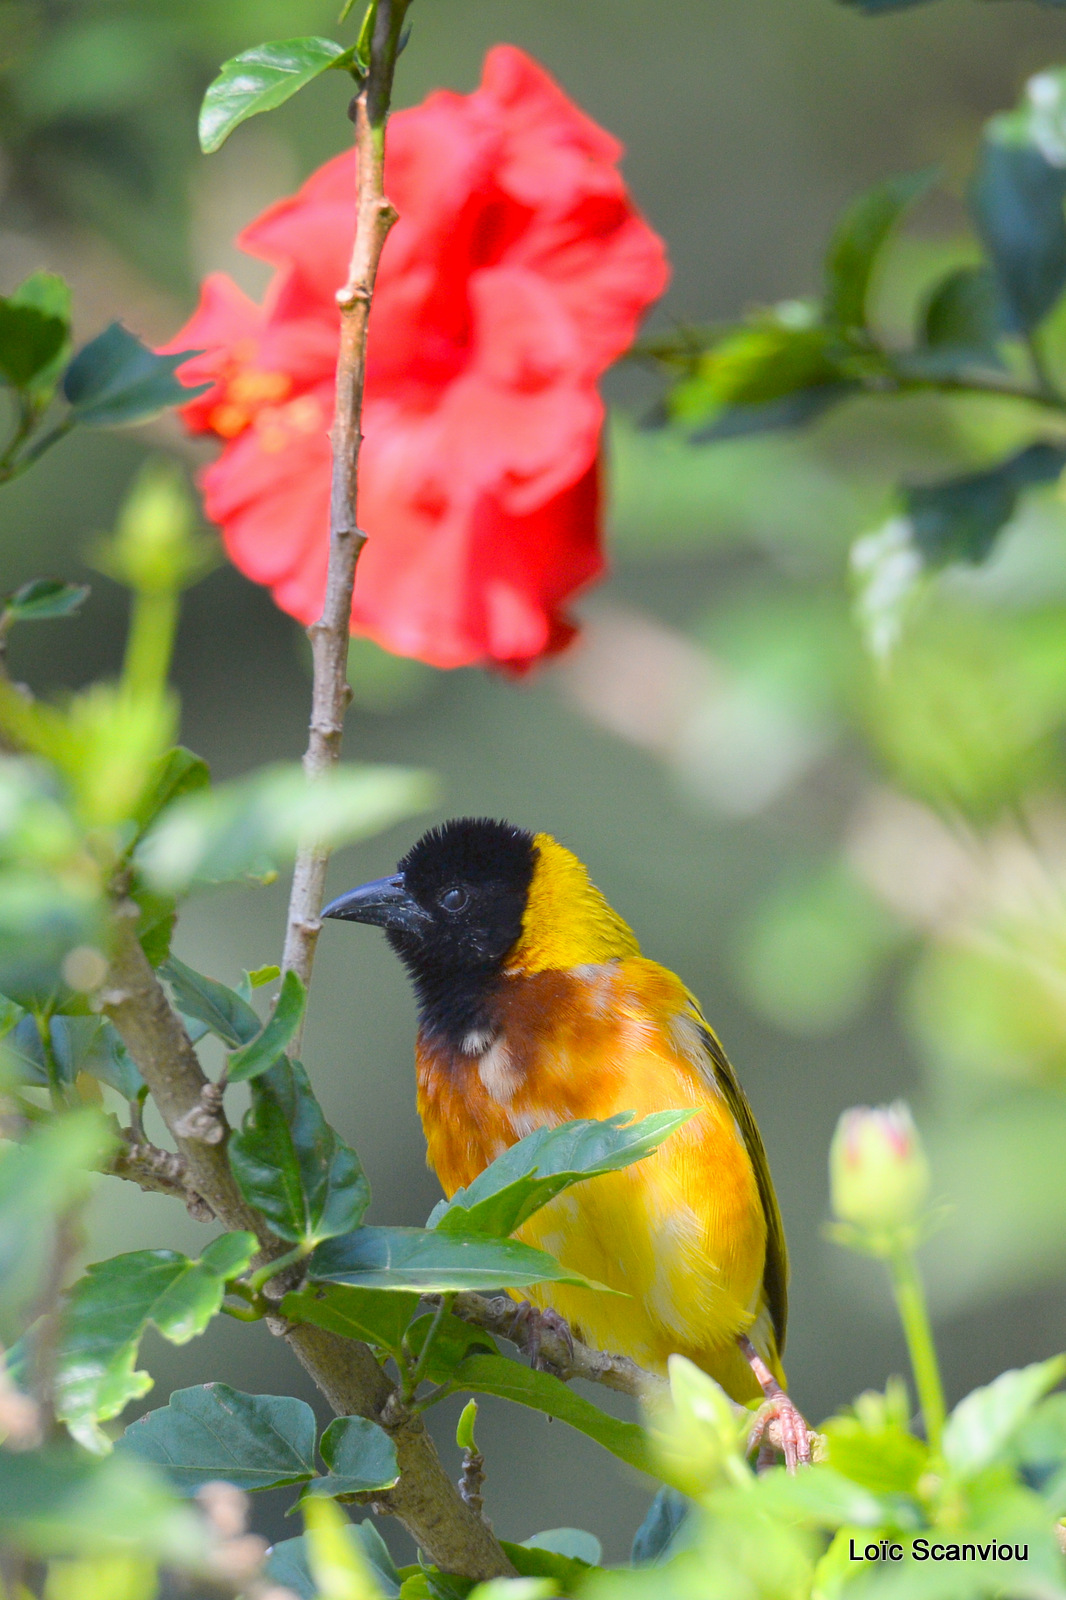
x,y
517,273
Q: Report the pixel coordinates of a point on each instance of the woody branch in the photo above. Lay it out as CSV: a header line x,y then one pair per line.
x,y
567,1357
345,1370
424,1499
329,635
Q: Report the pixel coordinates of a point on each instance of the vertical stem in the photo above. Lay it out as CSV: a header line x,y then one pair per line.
x,y
914,1314
1043,378
56,1091
329,635
150,642
413,1376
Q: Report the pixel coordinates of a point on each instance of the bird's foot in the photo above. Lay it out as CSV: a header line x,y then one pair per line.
x,y
544,1336
779,1425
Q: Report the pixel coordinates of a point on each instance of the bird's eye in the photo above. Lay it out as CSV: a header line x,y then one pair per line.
x,y
454,899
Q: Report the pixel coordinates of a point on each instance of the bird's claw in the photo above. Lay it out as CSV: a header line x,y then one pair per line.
x,y
532,1327
779,1424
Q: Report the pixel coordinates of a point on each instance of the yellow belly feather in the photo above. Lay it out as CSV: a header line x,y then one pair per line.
x,y
682,1235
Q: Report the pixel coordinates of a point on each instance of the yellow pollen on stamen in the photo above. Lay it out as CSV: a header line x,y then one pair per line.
x,y
228,420
251,387
276,426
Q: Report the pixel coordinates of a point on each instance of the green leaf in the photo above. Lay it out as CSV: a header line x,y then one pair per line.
x,y
566,1574
180,772
1017,200
59,1501
221,1009
430,1262
91,1044
540,1166
982,1425
777,370
379,1316
659,1535
77,1044
106,1315
30,339
159,915
114,1066
259,977
23,1051
874,1448
287,1566
242,827
960,519
50,295
510,1380
10,1015
45,598
39,1180
1040,1448
573,1543
339,1565
115,380
962,315
377,1553
44,914
826,1498
429,1583
453,1341
287,1563
360,1457
261,79
858,240
47,292
793,410
464,1428
269,1045
290,1164
255,1441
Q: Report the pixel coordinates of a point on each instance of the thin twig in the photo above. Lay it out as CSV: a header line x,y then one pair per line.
x,y
472,1481
987,385
152,1032
566,1355
569,1358
414,1376
157,1172
329,635
1044,381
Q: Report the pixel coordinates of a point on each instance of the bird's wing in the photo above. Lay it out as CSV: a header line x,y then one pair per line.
x,y
775,1272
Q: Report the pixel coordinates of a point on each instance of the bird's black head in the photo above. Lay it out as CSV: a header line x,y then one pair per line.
x,y
451,911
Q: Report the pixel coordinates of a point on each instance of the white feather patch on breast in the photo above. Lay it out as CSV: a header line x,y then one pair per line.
x,y
497,1072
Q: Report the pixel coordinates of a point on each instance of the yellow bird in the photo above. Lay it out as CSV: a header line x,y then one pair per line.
x,y
536,1007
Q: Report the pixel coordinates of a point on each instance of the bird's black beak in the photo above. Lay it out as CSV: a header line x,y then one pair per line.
x,y
385,903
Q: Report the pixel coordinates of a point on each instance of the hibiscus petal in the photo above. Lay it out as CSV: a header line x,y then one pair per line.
x,y
310,233
519,269
269,492
226,325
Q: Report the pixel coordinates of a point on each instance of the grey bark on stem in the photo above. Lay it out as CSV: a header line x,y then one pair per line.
x,y
567,1356
425,1500
329,635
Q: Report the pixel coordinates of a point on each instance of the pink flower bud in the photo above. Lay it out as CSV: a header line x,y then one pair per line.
x,y
878,1172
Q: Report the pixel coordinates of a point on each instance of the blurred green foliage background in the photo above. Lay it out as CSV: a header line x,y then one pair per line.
x,y
862,873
